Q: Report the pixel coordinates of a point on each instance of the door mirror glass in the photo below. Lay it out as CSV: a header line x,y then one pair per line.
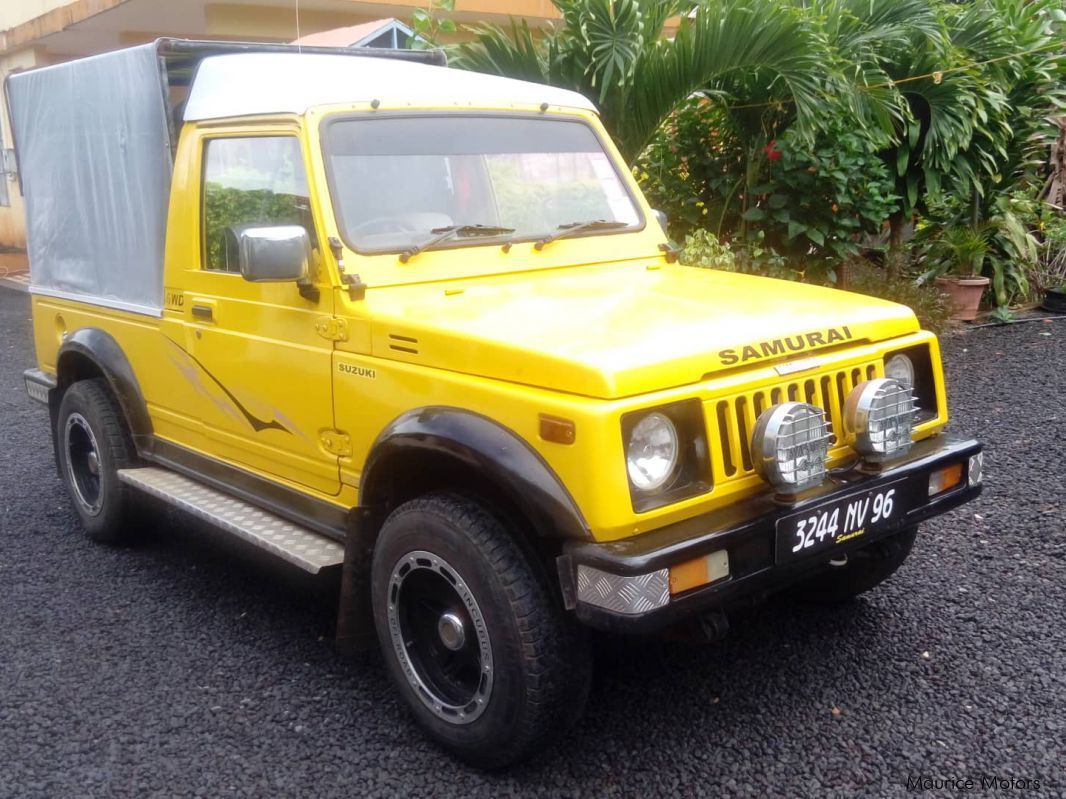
x,y
269,253
662,219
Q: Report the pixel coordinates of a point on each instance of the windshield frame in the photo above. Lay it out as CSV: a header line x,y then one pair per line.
x,y
486,241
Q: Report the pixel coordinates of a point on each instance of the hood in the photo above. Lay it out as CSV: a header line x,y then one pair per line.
x,y
620,330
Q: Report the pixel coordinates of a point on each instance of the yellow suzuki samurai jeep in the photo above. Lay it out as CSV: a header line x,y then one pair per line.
x,y
419,325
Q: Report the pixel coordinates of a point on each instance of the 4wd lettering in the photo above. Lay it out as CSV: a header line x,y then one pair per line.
x,y
358,371
783,346
173,299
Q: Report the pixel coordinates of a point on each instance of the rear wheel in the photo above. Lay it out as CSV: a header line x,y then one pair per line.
x,y
92,445
488,662
864,569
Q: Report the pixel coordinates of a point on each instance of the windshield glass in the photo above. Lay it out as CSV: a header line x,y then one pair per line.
x,y
395,180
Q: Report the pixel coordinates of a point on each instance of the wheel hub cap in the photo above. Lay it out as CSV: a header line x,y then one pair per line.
x,y
451,631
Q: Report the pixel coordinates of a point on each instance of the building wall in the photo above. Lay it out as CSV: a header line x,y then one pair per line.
x,y
15,12
12,217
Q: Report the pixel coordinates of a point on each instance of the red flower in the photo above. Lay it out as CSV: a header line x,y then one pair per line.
x,y
772,153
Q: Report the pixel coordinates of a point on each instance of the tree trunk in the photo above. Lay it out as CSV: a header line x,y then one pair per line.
x,y
896,258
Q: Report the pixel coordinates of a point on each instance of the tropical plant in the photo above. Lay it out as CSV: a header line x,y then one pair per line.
x,y
972,99
429,23
960,250
812,202
1048,225
999,247
951,96
704,249
613,51
1018,47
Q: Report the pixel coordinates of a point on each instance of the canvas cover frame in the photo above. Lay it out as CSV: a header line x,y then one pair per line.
x,y
92,138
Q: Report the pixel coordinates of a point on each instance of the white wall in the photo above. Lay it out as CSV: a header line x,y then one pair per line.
x,y
15,12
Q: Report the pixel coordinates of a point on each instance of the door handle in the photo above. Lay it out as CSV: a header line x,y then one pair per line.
x,y
205,312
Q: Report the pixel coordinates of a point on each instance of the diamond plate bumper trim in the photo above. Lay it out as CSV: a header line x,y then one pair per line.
x,y
628,595
977,469
297,545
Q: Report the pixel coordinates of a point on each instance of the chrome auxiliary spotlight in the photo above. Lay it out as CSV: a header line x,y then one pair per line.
x,y
881,415
790,447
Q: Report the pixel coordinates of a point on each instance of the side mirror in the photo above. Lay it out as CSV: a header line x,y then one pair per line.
x,y
272,254
664,221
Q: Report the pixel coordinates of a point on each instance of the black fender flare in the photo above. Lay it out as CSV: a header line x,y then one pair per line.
x,y
485,446
101,349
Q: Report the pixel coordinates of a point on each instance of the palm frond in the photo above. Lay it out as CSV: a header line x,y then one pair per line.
x,y
726,40
515,53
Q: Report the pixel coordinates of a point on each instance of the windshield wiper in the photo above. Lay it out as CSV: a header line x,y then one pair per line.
x,y
442,234
571,228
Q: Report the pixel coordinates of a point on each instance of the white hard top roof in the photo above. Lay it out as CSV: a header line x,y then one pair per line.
x,y
244,84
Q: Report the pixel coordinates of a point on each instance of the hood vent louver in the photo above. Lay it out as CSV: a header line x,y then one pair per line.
x,y
403,343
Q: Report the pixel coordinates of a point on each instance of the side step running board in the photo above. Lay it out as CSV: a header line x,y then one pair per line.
x,y
302,547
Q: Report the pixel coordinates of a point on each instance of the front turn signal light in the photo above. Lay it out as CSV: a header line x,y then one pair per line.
x,y
699,571
559,431
945,479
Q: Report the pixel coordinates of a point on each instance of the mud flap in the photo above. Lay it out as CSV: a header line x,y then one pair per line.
x,y
355,615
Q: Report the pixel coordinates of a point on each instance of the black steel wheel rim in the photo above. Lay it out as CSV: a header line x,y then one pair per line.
x,y
83,462
440,638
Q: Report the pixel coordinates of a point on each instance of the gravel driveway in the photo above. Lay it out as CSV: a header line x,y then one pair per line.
x,y
184,668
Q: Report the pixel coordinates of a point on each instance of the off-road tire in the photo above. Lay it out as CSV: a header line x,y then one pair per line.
x,y
865,569
115,521
540,662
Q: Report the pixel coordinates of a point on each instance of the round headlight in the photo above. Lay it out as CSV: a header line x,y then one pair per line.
x,y
651,454
790,446
901,369
881,414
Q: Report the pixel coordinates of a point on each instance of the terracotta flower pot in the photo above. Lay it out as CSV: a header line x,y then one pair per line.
x,y
965,295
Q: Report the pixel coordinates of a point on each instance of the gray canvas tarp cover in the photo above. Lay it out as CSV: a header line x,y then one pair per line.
x,y
95,166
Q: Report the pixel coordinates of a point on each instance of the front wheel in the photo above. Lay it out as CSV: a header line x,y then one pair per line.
x,y
863,570
489,664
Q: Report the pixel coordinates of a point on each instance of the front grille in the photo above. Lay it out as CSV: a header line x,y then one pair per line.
x,y
735,416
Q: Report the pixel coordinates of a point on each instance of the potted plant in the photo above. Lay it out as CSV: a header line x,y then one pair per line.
x,y
1055,299
957,255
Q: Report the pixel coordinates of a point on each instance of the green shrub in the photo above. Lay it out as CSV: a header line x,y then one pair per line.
x,y
927,302
998,246
810,204
703,249
1048,225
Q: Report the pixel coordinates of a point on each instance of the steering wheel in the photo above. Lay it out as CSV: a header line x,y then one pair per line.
x,y
384,224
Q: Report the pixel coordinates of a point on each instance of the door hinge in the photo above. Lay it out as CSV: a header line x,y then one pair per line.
x,y
336,443
332,328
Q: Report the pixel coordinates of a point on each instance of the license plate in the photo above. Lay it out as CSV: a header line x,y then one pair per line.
x,y
837,521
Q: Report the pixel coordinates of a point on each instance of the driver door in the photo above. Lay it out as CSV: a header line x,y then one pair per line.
x,y
262,371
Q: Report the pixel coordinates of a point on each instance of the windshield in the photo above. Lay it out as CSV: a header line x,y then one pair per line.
x,y
396,180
